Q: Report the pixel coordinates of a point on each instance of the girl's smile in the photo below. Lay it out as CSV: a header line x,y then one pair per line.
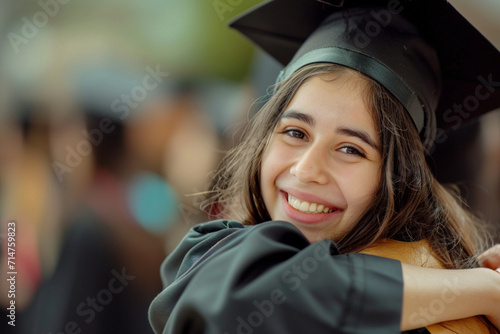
x,y
322,167
307,212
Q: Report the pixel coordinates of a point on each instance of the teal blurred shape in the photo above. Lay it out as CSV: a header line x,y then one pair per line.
x,y
153,202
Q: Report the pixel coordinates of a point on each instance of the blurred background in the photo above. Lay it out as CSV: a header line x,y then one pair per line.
x,y
113,113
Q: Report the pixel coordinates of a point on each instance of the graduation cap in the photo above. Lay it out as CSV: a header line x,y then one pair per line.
x,y
443,71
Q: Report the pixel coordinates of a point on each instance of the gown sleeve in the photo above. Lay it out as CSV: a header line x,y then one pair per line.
x,y
226,278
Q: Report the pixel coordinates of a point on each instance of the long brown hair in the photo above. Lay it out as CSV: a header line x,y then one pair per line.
x,y
410,204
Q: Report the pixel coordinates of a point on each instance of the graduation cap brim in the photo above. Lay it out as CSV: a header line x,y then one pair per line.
x,y
470,64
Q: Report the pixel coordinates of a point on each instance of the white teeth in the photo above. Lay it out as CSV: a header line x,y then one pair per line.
x,y
307,207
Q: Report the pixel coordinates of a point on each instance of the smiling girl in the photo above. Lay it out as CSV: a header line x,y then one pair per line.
x,y
322,158
332,166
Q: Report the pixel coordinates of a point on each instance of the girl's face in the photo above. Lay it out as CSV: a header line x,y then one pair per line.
x,y
323,164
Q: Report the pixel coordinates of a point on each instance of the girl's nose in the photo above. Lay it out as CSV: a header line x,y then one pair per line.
x,y
310,166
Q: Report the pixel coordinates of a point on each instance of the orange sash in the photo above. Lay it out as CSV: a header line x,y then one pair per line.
x,y
419,253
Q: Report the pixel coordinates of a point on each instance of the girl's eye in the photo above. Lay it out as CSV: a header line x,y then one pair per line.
x,y
352,151
294,133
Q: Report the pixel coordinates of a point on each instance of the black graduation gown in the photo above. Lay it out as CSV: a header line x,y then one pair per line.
x,y
226,278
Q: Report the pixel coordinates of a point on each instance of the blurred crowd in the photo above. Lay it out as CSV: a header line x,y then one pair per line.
x,y
113,116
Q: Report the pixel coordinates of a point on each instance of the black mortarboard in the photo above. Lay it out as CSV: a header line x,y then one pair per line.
x,y
424,52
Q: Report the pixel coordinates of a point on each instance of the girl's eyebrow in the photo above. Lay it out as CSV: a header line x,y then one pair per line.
x,y
299,116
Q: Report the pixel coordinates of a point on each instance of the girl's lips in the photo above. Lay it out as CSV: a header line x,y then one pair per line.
x,y
303,217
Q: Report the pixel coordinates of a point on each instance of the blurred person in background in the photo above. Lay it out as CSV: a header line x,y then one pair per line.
x,y
101,273
28,195
110,186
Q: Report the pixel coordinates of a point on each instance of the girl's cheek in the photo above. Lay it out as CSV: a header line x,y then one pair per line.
x,y
284,152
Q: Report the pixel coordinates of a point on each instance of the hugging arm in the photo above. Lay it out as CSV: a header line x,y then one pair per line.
x,y
225,278
457,293
269,279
